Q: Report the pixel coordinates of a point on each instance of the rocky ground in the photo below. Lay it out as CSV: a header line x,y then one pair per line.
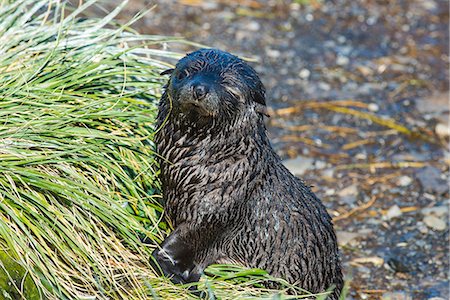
x,y
358,92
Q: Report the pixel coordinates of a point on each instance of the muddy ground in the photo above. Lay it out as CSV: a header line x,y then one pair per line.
x,y
358,92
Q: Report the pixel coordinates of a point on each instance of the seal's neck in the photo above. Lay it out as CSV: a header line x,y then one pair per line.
x,y
180,136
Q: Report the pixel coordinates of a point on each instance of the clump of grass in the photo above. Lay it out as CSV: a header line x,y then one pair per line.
x,y
79,181
78,184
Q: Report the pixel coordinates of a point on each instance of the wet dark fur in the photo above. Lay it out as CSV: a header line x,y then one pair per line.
x,y
226,192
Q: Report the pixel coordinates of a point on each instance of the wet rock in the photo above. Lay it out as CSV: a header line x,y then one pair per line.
x,y
253,26
422,228
442,130
397,264
438,211
436,103
430,179
324,86
421,243
373,107
435,223
345,237
350,190
361,156
299,165
320,164
393,212
365,71
396,296
363,271
342,60
304,74
273,53
348,194
330,192
328,173
404,181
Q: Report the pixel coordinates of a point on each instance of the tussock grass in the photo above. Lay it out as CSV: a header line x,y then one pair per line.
x,y
78,184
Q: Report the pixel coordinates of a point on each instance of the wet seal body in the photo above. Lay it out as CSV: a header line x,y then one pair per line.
x,y
226,192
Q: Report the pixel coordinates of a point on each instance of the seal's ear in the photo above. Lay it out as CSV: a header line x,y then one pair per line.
x,y
262,109
167,72
259,98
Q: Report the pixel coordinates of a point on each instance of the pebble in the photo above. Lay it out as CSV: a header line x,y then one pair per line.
x,y
345,237
330,192
421,243
373,107
364,272
371,20
396,296
253,26
209,5
350,190
320,164
328,173
342,60
273,53
299,165
304,74
404,180
437,103
324,86
442,130
365,71
430,179
393,212
361,156
435,223
422,227
429,5
398,263
438,211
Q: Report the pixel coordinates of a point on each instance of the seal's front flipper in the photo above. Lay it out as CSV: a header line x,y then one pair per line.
x,y
175,260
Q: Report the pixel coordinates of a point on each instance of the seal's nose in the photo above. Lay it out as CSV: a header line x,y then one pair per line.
x,y
200,91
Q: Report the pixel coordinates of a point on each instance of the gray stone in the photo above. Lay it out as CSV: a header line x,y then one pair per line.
x,y
396,296
345,237
351,190
430,179
404,180
443,130
304,73
373,107
342,60
320,164
435,223
299,165
393,212
438,211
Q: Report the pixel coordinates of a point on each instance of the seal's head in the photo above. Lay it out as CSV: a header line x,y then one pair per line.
x,y
214,84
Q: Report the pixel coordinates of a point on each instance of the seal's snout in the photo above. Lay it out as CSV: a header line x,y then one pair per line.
x,y
199,91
